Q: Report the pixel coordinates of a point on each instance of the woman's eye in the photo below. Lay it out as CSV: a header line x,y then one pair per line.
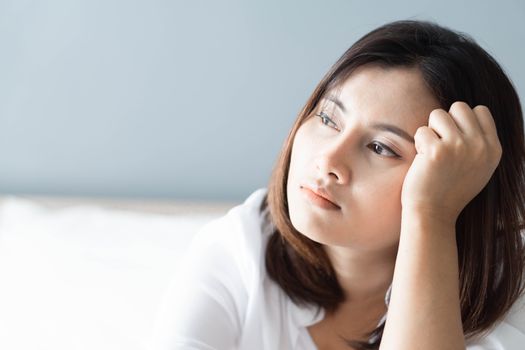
x,y
379,148
326,120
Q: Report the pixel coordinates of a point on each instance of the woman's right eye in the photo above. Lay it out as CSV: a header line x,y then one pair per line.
x,y
326,120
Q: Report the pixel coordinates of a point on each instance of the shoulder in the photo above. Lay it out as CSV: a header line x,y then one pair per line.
x,y
516,316
206,303
234,241
242,224
509,334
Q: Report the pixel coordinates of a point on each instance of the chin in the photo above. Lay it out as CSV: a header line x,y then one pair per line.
x,y
309,226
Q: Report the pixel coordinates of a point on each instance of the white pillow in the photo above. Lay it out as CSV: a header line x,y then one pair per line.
x,y
85,277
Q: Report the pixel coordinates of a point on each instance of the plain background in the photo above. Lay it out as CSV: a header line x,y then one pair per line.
x,y
186,99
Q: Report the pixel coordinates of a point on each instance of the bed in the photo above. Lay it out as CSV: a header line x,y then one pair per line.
x,y
88,273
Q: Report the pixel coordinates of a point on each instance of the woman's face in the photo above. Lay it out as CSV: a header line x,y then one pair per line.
x,y
357,146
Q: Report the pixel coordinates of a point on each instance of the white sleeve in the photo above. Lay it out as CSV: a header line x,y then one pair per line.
x,y
201,307
516,316
508,335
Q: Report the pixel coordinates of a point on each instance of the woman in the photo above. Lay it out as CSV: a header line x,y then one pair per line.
x,y
393,218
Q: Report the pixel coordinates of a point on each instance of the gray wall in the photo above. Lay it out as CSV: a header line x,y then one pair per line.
x,y
185,99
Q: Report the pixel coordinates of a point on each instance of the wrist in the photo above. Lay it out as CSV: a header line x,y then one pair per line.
x,y
429,215
428,223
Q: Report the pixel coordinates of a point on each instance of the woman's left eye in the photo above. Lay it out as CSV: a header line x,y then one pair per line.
x,y
378,148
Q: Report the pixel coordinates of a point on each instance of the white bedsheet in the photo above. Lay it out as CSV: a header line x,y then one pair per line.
x,y
85,276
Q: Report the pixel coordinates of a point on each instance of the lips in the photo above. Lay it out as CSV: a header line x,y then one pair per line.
x,y
321,192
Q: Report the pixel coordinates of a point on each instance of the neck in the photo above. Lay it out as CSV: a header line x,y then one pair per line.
x,y
364,276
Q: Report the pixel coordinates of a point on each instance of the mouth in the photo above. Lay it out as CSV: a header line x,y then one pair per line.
x,y
319,197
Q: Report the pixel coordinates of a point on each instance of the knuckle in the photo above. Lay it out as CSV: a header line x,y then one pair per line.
x,y
479,153
436,112
480,146
498,151
435,115
459,105
420,130
458,145
481,108
438,154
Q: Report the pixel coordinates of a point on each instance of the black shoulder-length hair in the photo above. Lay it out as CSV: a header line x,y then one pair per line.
x,y
491,250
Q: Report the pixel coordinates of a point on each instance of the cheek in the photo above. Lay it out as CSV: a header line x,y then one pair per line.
x,y
381,180
379,213
297,172
300,149
382,194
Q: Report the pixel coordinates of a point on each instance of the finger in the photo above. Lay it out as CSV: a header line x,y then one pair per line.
x,y
485,119
443,124
488,126
425,139
465,118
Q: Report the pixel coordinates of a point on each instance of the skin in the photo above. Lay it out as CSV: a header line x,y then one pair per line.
x,y
396,221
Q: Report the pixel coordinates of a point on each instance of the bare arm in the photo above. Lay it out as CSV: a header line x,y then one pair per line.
x,y
424,311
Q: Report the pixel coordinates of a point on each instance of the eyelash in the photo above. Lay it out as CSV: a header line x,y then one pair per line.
x,y
325,119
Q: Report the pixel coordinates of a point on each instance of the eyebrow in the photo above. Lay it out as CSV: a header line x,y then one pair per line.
x,y
378,126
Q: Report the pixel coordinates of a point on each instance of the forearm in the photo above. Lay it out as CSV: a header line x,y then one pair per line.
x,y
424,310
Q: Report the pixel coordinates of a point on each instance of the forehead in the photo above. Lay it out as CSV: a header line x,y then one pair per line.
x,y
394,95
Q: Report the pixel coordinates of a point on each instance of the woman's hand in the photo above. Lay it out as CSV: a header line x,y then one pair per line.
x,y
457,154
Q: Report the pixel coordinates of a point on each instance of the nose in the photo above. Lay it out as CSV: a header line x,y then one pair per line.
x,y
332,163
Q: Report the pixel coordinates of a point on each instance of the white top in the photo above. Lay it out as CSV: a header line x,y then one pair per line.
x,y
223,298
